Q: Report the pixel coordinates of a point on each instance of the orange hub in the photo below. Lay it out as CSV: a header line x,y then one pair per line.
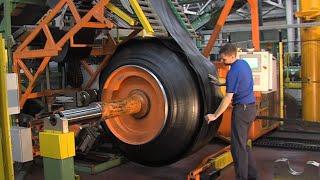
x,y
145,125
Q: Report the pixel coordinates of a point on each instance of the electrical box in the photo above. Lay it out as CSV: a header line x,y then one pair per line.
x,y
21,144
13,95
264,70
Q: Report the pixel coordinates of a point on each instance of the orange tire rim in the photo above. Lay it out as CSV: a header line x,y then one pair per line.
x,y
134,129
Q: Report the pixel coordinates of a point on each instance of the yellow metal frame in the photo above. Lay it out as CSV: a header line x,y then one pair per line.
x,y
218,161
1,159
281,79
222,160
293,85
308,15
121,14
57,145
6,149
309,10
141,16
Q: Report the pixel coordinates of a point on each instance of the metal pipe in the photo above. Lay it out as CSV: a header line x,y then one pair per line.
x,y
290,20
292,120
8,5
242,28
204,7
299,30
63,80
48,86
221,21
92,111
137,105
255,24
260,19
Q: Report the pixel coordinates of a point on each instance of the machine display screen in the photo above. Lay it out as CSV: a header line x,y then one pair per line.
x,y
253,62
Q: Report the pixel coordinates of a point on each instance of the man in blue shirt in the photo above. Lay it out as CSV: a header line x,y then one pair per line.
x,y
239,84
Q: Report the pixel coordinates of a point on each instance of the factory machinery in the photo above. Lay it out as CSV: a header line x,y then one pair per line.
x,y
147,85
123,70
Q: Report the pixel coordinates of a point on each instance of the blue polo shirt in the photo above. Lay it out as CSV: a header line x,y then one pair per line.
x,y
240,82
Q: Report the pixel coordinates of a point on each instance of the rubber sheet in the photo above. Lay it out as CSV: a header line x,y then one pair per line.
x,y
210,94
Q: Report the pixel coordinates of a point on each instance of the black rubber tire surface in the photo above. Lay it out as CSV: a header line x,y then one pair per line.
x,y
184,106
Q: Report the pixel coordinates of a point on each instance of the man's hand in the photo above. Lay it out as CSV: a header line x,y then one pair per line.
x,y
210,117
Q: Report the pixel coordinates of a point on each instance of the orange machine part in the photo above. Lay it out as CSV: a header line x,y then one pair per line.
x,y
52,47
137,104
147,124
222,19
258,128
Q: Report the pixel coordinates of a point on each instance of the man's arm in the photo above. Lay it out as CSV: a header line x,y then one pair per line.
x,y
222,107
232,84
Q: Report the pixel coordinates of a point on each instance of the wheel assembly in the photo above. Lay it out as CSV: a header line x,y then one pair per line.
x,y
170,118
147,124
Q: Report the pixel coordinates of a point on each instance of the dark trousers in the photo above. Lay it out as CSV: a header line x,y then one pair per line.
x,y
242,118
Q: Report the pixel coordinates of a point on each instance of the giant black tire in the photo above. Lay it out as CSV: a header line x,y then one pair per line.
x,y
183,121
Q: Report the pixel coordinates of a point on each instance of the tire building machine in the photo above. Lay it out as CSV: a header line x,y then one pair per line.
x,y
130,89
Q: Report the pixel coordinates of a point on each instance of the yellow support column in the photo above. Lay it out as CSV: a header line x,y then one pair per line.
x,y
1,159
6,150
57,147
310,37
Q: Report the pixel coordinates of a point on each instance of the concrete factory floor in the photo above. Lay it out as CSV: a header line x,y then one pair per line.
x,y
264,157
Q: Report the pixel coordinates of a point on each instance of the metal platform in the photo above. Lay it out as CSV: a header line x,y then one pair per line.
x,y
97,162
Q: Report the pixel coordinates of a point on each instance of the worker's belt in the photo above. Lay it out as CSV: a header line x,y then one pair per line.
x,y
245,105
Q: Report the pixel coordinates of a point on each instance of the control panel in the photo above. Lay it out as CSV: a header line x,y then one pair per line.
x,y
264,70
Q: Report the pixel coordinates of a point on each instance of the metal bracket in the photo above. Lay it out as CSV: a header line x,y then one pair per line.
x,y
283,171
215,81
55,123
